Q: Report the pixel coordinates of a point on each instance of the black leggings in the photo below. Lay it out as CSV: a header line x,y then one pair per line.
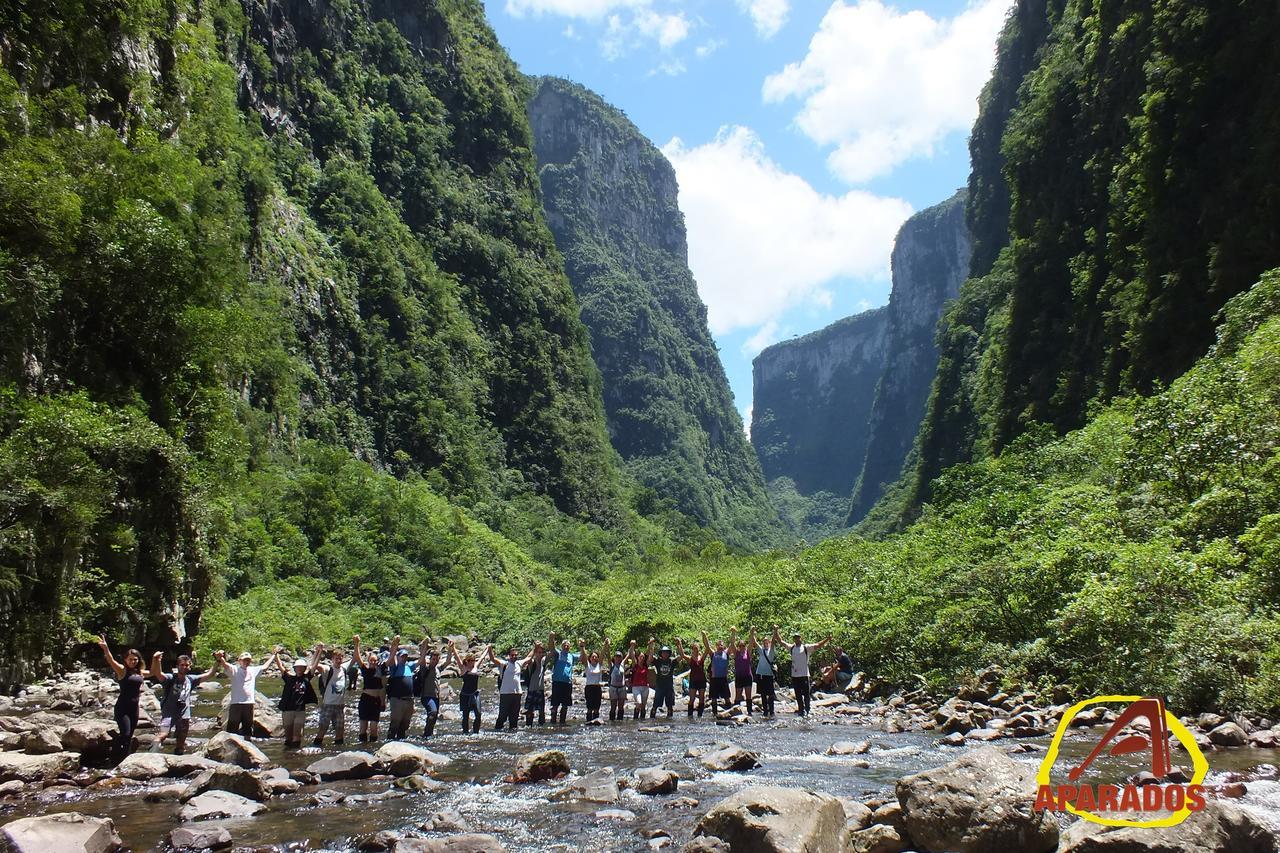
x,y
766,694
593,694
126,715
801,686
469,703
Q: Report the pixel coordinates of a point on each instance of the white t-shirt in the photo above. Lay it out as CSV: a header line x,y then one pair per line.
x,y
244,683
509,680
800,661
335,692
594,675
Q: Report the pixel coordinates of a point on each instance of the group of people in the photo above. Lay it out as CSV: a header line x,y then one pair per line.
x,y
390,679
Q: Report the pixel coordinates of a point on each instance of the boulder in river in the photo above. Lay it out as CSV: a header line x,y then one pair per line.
x,y
218,804
877,838
730,757
41,740
69,831
598,786
467,843
1228,734
228,777
450,820
233,749
784,820
979,803
200,838
656,780
405,759
1219,828
537,766
142,766
848,747
33,768
93,739
344,765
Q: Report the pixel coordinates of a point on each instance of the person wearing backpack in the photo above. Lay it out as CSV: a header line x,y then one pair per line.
x,y
402,681
535,685
296,694
338,678
177,698
766,670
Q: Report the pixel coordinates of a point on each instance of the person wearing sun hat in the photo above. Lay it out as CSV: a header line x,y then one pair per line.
x,y
243,678
296,694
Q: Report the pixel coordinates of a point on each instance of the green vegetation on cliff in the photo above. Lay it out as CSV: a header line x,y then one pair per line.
x,y
610,198
1136,144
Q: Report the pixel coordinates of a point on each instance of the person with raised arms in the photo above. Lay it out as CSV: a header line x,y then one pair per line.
x,y
767,669
594,690
176,698
131,679
562,676
639,678
534,676
427,681
469,695
719,673
664,690
800,670
373,689
243,678
335,683
401,678
697,662
296,694
508,686
619,664
742,676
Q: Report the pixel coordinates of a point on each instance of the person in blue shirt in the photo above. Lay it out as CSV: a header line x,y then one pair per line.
x,y
562,676
400,687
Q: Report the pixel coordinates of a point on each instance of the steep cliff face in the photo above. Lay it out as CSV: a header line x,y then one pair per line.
x,y
611,201
235,237
813,398
931,258
1126,150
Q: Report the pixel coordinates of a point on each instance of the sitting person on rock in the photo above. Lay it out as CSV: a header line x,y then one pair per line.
x,y
177,698
839,675
296,694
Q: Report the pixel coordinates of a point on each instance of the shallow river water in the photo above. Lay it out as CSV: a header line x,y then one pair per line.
x,y
528,818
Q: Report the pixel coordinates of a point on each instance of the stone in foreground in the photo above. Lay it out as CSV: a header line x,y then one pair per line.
x,y
730,757
70,832
777,820
979,803
218,804
344,765
467,843
1220,828
537,766
200,838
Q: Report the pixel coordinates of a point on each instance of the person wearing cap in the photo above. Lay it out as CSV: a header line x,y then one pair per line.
x,y
296,694
664,691
800,669
373,691
243,678
508,687
177,698
334,684
400,687
618,666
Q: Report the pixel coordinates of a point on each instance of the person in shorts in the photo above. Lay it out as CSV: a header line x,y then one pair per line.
x,y
296,694
335,683
177,698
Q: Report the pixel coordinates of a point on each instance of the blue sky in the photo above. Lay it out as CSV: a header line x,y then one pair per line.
x,y
803,134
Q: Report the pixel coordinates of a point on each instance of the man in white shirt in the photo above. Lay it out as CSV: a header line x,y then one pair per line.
x,y
800,670
334,684
508,687
243,678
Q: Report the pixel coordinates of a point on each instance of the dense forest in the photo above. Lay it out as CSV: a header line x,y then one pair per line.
x,y
288,351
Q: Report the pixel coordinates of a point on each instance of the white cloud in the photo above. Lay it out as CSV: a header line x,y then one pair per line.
x,y
884,86
628,24
588,9
671,68
763,337
708,47
769,16
762,240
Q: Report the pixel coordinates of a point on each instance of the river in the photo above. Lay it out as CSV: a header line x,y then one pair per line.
x,y
528,818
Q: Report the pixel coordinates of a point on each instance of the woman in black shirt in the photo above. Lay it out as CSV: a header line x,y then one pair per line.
x,y
131,679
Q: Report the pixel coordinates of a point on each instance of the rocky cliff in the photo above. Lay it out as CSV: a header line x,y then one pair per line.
x,y
611,200
930,259
813,399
